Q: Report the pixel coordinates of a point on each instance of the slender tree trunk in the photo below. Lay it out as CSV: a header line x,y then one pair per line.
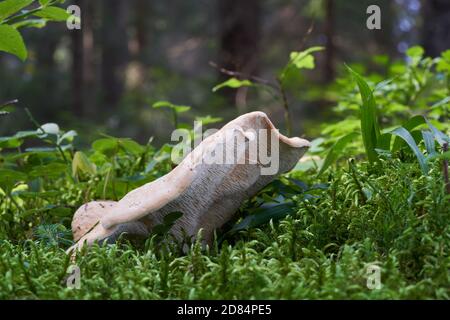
x,y
239,33
436,26
115,53
77,72
46,71
83,65
142,12
329,46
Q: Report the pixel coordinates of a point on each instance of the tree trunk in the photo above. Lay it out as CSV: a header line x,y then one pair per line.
x,y
142,12
239,33
115,52
46,74
83,64
77,71
436,26
329,46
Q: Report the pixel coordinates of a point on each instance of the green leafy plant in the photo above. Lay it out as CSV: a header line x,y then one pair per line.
x,y
298,60
304,236
377,142
16,14
175,110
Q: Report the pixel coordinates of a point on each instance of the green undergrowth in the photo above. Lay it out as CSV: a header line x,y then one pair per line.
x,y
399,221
372,190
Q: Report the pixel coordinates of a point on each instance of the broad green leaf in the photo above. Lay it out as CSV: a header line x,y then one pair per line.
x,y
208,120
384,141
53,13
296,58
167,104
440,137
405,135
336,149
306,62
33,194
8,178
443,65
12,42
181,109
51,170
16,140
131,146
428,140
10,7
412,123
415,53
369,122
444,62
59,211
162,104
301,60
233,83
44,2
446,54
262,215
107,146
10,142
81,163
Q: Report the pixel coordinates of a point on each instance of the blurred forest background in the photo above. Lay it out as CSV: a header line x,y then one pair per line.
x,y
130,54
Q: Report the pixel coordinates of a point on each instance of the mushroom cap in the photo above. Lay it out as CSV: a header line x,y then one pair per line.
x,y
88,215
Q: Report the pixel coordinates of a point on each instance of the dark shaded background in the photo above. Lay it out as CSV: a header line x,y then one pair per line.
x,y
132,53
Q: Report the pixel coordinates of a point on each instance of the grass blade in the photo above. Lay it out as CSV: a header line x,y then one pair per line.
x,y
440,137
369,122
407,137
428,139
409,125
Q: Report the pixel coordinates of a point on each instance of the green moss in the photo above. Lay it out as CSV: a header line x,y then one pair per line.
x,y
320,251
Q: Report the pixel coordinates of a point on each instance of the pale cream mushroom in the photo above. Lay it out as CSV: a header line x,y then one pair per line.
x,y
208,194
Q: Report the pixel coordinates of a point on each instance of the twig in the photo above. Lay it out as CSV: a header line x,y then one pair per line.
x,y
242,75
307,34
278,85
287,114
26,13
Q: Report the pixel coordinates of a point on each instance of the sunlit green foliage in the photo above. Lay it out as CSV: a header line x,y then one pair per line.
x,y
16,14
371,190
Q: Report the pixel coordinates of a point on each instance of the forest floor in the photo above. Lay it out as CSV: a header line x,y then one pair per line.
x,y
325,249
